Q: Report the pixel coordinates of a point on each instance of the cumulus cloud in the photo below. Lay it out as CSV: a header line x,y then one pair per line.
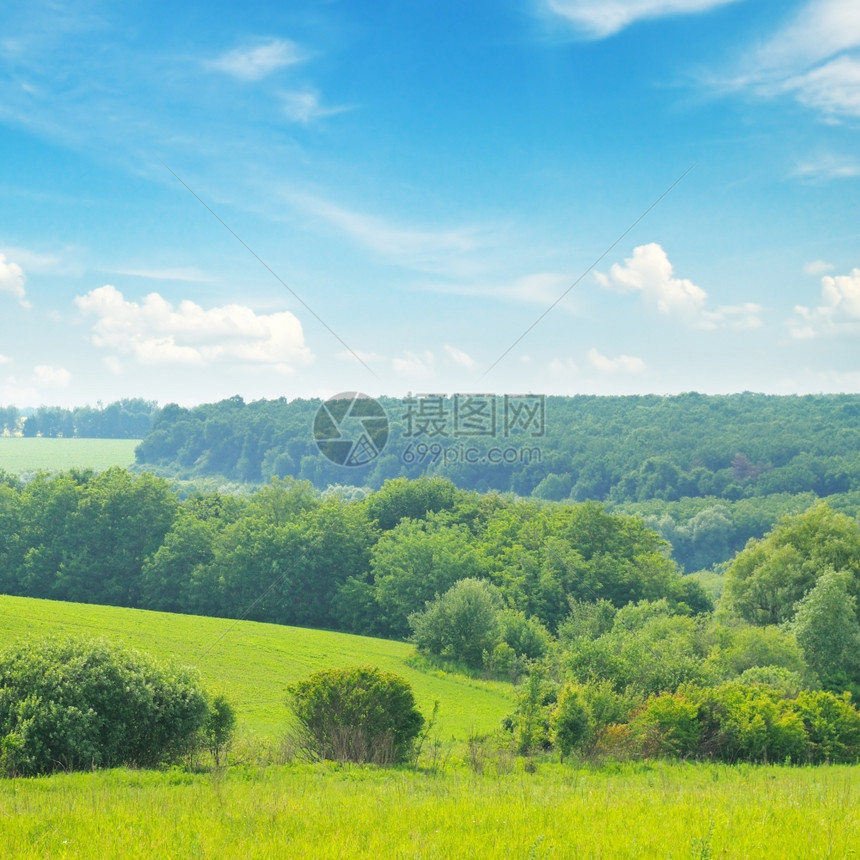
x,y
621,364
258,61
156,332
839,309
650,273
601,18
817,267
49,376
459,357
12,280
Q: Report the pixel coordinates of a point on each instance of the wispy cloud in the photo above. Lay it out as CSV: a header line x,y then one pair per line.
x,y
441,251
12,280
600,18
839,309
186,274
255,62
305,106
459,357
541,288
415,365
814,57
827,167
818,267
650,274
156,332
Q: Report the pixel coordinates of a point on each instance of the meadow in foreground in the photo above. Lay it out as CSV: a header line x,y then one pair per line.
x,y
632,811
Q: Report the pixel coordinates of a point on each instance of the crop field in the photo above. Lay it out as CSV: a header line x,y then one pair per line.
x,y
253,663
19,455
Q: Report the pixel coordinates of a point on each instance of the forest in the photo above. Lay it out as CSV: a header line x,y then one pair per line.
x,y
584,608
707,472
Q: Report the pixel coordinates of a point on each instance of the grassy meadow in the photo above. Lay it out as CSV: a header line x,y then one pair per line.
x,y
462,801
321,811
19,455
253,663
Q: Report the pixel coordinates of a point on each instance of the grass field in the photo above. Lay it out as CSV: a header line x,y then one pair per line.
x,y
253,663
323,811
442,809
19,455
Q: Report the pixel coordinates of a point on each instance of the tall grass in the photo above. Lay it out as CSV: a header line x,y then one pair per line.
x,y
321,811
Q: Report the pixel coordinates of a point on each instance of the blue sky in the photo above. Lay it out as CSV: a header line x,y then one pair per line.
x,y
415,185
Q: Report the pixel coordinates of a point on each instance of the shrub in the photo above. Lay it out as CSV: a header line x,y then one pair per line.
x,y
218,728
75,704
359,714
571,720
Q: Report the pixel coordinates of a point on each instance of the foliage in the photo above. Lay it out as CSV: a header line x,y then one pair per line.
x,y
359,714
571,720
463,623
74,704
219,728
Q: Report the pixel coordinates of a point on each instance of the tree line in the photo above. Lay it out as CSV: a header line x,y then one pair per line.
x,y
125,419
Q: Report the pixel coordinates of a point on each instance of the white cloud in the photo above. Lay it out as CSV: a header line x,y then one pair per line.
x,y
542,288
12,280
650,273
622,364
818,267
415,364
563,368
4,359
156,332
815,57
600,18
459,357
254,63
188,274
438,251
50,376
839,310
827,167
304,106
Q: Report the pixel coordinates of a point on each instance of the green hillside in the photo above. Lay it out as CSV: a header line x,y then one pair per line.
x,y
253,662
19,455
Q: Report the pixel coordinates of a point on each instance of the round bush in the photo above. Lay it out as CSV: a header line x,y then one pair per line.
x,y
74,704
359,714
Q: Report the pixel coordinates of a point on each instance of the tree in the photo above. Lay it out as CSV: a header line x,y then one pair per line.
x,y
827,630
76,703
463,623
359,714
766,580
570,720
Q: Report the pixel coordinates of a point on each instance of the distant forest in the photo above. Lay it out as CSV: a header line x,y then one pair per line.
x,y
125,419
706,472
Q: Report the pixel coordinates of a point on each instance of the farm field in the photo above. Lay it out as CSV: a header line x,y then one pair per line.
x,y
661,810
253,663
19,455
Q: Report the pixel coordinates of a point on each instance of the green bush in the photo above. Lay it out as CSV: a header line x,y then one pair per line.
x,y
74,704
359,714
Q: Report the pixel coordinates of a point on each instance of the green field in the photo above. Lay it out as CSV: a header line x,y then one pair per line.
x,y
453,805
322,811
19,455
253,663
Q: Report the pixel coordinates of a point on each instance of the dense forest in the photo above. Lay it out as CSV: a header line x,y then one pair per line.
x,y
707,472
586,608
619,449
